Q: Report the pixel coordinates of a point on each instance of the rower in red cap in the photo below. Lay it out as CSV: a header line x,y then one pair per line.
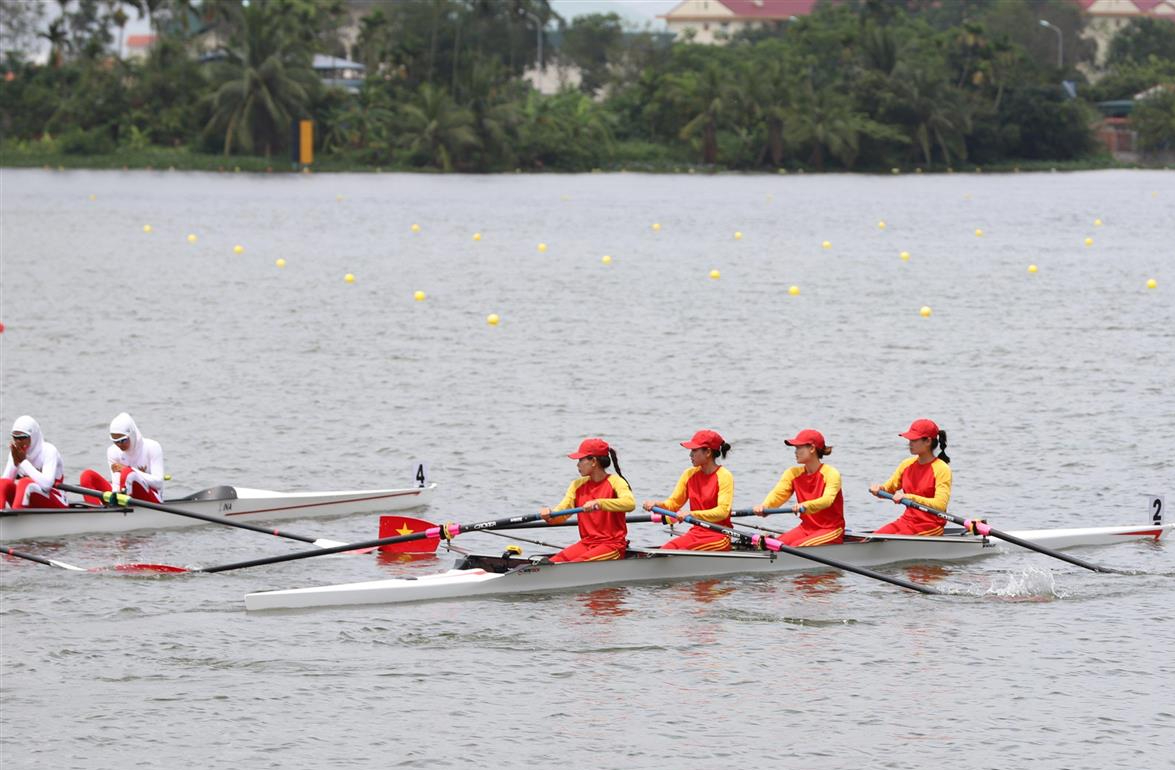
x,y
923,478
605,498
819,502
709,487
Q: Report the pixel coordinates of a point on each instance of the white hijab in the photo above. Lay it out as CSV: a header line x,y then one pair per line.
x,y
135,455
36,451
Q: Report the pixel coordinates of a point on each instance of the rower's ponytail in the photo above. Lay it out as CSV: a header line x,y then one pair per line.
x,y
613,460
940,443
721,451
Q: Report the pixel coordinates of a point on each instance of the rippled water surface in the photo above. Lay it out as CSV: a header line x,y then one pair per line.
x,y
1055,388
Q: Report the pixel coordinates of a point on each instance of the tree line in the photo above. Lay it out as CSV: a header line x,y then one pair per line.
x,y
858,84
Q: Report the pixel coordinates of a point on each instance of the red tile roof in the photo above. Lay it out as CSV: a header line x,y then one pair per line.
x,y
139,41
771,9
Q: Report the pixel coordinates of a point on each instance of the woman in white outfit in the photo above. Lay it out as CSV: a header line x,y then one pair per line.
x,y
136,464
34,466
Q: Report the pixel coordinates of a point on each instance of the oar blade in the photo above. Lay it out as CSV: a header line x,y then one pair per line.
x,y
391,526
143,568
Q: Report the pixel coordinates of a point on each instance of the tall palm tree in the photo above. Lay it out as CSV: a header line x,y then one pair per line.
x,y
933,112
436,128
826,120
265,82
58,38
705,97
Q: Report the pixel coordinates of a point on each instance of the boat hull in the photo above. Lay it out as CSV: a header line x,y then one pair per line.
x,y
251,505
649,565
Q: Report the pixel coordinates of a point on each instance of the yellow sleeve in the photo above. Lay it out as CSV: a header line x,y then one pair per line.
x,y
725,498
895,481
783,488
568,501
623,502
677,499
942,488
831,490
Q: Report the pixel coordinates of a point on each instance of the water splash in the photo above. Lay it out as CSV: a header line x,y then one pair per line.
x,y
1032,584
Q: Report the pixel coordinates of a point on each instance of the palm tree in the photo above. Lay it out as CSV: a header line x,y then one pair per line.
x,y
58,39
705,96
496,113
826,120
436,128
265,83
933,112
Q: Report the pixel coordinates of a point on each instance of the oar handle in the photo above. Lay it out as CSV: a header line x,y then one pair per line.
x,y
134,502
447,531
766,511
982,528
770,543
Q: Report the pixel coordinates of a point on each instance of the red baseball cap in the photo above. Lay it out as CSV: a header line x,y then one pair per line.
x,y
590,447
704,439
807,436
921,429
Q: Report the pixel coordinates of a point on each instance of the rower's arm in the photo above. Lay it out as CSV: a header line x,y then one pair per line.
x,y
725,499
153,476
677,499
782,489
624,501
568,501
895,481
831,490
43,476
942,488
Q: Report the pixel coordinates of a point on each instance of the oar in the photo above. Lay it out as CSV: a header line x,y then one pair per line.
x,y
643,518
448,531
981,527
138,567
770,543
126,500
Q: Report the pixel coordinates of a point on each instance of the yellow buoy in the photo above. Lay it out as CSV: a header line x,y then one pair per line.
x,y
978,232
418,296
415,227
191,237
147,228
794,291
1097,223
93,197
339,198
280,262
477,236
826,245
1032,268
715,274
542,247
905,255
1152,283
738,236
656,226
895,170
349,278
607,260
238,249
1089,241
925,311
881,224
492,319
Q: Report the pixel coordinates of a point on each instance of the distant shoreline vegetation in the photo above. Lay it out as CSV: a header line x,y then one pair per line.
x,y
860,85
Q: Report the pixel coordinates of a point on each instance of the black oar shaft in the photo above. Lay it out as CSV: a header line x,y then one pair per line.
x,y
446,530
137,503
41,560
985,529
802,553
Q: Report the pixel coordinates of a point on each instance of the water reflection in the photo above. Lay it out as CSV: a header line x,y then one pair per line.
x,y
605,602
927,573
817,583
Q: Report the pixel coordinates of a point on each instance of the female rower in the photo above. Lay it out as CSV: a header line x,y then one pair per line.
x,y
605,498
709,487
34,466
136,464
819,501
923,478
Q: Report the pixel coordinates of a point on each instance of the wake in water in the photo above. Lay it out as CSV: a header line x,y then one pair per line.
x,y
1031,584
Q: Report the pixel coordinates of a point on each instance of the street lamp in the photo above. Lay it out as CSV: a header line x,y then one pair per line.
x,y
1060,43
538,30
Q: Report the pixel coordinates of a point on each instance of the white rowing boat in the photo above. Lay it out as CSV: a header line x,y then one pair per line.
x,y
239,503
477,575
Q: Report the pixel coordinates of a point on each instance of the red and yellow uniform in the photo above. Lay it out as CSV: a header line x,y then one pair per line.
x,y
928,484
603,534
823,519
710,497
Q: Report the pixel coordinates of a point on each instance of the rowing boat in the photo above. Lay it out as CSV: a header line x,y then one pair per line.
x,y
478,575
241,503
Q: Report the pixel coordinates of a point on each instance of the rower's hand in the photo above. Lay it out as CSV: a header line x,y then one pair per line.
x,y
874,489
116,467
17,452
650,504
758,510
591,505
797,509
898,497
545,513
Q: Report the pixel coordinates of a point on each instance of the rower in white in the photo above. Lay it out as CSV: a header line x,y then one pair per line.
x,y
136,464
34,466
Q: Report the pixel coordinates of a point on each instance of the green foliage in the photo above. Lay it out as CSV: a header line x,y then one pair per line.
x,y
1141,40
1154,118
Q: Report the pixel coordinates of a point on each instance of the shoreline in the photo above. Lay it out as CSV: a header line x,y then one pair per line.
x,y
162,159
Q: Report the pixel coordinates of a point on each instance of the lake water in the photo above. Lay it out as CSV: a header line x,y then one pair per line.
x,y
1055,389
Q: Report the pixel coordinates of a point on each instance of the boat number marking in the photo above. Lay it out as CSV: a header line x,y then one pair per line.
x,y
420,476
226,507
1156,506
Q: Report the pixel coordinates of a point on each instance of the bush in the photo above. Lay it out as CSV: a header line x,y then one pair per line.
x,y
80,141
